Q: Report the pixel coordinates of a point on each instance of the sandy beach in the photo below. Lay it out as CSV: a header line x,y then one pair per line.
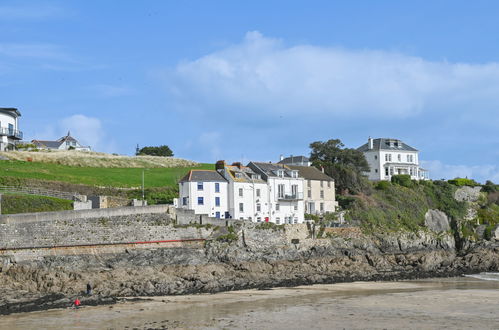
x,y
458,303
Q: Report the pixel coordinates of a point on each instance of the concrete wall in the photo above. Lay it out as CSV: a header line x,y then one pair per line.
x,y
104,202
84,214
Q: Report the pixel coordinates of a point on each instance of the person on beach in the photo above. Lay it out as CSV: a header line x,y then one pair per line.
x,y
89,289
76,303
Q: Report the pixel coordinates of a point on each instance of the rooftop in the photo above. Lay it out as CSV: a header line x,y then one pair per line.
x,y
386,144
311,173
202,176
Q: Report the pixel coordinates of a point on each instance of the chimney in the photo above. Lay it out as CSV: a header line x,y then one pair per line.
x,y
322,169
220,165
238,164
370,143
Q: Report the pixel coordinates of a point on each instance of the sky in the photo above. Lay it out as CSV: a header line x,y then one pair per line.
x,y
255,80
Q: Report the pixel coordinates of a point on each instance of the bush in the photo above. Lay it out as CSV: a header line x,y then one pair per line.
x,y
402,180
17,203
163,151
345,201
383,185
460,182
312,217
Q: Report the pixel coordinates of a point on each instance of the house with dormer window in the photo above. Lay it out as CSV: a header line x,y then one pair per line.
x,y
388,157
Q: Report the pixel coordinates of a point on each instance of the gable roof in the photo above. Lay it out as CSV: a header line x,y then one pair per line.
x,y
311,173
203,176
270,169
242,174
47,144
386,144
294,160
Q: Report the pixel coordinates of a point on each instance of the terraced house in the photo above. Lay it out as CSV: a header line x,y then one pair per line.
x,y
9,128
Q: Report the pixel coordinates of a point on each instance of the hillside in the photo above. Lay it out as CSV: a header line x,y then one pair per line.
x,y
18,203
96,159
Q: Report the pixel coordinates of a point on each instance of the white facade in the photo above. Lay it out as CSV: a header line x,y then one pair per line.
x,y
388,157
9,128
204,193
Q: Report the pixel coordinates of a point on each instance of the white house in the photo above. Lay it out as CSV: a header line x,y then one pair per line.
x,y
247,192
9,128
285,192
64,143
205,192
387,157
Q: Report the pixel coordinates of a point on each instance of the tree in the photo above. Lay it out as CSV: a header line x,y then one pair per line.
x,y
344,165
164,151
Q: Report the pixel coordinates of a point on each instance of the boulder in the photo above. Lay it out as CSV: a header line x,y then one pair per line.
x,y
467,194
437,221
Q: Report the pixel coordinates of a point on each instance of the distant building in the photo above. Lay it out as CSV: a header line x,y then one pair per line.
x,y
9,128
205,192
295,160
388,157
64,143
320,195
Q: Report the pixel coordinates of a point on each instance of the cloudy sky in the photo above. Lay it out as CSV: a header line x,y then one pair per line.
x,y
227,80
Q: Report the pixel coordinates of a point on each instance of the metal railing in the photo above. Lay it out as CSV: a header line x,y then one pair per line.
x,y
39,192
11,132
291,196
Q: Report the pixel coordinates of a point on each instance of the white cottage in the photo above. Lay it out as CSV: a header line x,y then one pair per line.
x,y
9,128
387,157
64,143
205,192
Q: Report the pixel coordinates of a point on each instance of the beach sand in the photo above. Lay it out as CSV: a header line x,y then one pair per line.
x,y
457,303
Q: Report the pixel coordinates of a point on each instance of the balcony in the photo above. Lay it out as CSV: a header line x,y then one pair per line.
x,y
12,133
291,197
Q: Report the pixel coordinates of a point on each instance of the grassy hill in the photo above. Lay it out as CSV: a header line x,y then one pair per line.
x,y
18,203
97,176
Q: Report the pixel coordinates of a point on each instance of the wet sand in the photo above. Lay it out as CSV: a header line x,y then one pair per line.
x,y
457,303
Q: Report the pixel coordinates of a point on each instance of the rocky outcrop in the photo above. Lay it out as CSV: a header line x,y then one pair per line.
x,y
467,194
437,221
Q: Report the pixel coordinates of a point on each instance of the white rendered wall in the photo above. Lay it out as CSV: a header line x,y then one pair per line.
x,y
190,190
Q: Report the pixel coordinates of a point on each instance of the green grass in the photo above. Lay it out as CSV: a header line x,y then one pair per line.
x,y
18,203
104,177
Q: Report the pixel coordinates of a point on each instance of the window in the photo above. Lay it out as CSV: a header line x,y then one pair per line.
x,y
280,190
375,157
217,187
322,207
410,158
309,193
241,207
329,184
411,171
386,171
322,183
184,200
200,201
391,170
296,207
388,157
200,186
217,201
322,193
258,207
296,220
258,193
376,171
277,221
399,156
240,192
277,207
259,219
294,190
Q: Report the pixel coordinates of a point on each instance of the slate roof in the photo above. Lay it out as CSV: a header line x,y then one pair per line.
x,y
294,160
383,144
311,173
202,176
269,169
242,174
11,111
47,144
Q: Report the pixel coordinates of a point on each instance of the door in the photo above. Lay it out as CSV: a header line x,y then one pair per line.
x,y
217,215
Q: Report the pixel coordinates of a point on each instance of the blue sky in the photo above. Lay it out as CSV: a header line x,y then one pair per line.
x,y
240,81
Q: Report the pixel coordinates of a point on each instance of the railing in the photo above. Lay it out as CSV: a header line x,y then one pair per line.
x,y
291,196
11,132
39,191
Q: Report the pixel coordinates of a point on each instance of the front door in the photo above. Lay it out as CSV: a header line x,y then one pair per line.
x,y
217,215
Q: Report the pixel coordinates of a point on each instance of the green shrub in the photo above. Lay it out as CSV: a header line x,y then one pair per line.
x,y
228,238
382,185
269,225
345,201
17,203
460,182
402,180
311,217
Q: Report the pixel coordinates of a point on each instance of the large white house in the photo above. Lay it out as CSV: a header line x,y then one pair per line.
x,y
285,192
64,143
247,192
205,192
9,128
388,157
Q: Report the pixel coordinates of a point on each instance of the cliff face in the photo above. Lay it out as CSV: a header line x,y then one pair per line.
x,y
259,257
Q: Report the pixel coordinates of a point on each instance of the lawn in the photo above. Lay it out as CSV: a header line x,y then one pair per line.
x,y
18,203
95,176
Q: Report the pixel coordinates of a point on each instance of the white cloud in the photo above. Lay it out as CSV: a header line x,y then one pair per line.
x,y
87,130
268,77
481,173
